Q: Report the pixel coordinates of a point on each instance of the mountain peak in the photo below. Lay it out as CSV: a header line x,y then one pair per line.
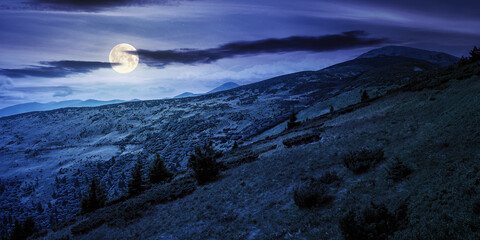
x,y
443,59
224,87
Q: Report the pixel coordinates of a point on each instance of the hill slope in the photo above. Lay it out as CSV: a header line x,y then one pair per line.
x,y
431,126
51,166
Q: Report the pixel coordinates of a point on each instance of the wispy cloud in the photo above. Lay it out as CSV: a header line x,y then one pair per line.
x,y
346,40
55,69
92,5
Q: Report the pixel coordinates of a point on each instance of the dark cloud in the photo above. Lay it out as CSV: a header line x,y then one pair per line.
x,y
55,69
346,40
457,9
92,5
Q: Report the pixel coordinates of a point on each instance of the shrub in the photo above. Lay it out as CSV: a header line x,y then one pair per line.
x,y
204,164
375,222
397,171
361,161
158,170
476,206
329,177
135,186
302,139
311,194
22,230
95,198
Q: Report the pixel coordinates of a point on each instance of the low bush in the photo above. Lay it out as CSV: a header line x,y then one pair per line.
x,y
302,139
329,177
375,222
361,161
311,194
397,170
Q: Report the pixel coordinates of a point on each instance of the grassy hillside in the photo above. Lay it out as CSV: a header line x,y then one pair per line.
x,y
420,181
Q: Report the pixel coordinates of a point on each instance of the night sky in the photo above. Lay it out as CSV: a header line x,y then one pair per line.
x,y
55,50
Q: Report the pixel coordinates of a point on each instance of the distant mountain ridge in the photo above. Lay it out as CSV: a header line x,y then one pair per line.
x,y
35,106
223,87
439,58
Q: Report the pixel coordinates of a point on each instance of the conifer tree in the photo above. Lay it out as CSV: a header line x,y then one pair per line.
x,y
158,170
292,121
475,54
22,230
365,96
135,186
204,164
95,198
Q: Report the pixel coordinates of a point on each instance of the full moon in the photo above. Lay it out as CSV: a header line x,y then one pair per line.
x,y
123,58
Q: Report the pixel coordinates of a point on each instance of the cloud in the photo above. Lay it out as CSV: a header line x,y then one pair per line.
x,y
63,92
5,82
346,40
92,5
55,69
56,89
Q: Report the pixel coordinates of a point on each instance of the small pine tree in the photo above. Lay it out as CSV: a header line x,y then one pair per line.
x,y
39,207
235,145
475,54
95,199
292,122
135,186
463,61
203,162
365,96
158,170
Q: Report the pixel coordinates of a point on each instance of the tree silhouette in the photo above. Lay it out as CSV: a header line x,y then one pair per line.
x,y
475,54
135,186
158,170
365,96
235,145
203,162
22,230
95,199
292,121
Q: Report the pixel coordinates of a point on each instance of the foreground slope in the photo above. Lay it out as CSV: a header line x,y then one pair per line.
x,y
49,157
431,125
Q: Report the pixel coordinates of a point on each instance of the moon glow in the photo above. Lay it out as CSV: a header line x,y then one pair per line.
x,y
123,58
